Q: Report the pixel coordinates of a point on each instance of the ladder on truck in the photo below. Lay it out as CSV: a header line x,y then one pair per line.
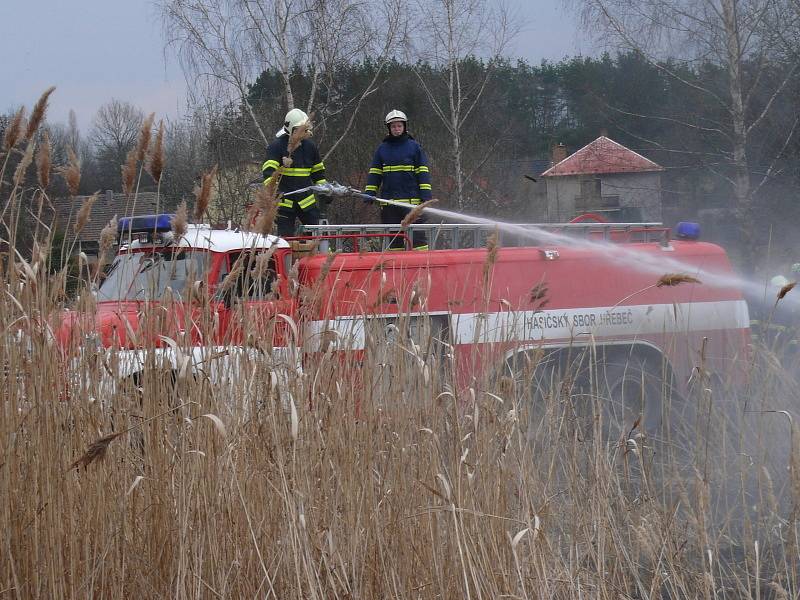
x,y
456,236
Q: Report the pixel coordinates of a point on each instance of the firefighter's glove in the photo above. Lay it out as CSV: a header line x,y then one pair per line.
x,y
325,199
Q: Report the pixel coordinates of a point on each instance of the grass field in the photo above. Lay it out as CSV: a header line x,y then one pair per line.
x,y
378,480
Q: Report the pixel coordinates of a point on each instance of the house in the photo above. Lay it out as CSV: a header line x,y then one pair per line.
x,y
606,178
107,205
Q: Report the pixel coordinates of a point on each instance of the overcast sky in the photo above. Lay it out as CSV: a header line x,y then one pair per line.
x,y
95,50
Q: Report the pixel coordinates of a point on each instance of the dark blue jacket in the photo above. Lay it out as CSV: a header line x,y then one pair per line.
x,y
400,169
307,169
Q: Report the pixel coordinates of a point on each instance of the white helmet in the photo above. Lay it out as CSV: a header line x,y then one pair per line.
x,y
294,118
779,281
396,115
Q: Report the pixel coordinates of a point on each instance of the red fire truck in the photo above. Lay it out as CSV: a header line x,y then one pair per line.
x,y
488,309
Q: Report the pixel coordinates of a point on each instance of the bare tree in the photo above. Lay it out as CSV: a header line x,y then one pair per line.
x,y
224,46
448,33
745,38
73,133
114,132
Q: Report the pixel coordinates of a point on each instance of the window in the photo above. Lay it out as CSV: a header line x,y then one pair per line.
x,y
147,275
590,189
256,276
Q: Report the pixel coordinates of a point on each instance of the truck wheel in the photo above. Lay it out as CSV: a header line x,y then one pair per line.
x,y
541,386
534,379
631,390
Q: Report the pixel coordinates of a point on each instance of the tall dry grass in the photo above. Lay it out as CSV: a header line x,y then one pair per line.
x,y
369,478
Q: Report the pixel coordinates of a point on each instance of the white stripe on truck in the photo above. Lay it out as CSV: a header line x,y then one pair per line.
x,y
627,322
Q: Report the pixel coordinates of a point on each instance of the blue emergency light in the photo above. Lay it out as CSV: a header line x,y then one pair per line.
x,y
686,230
146,223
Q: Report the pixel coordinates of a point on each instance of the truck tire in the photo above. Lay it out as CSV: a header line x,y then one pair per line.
x,y
544,387
631,390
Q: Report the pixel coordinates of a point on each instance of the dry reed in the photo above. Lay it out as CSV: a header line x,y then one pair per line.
x,y
143,141
180,221
108,238
155,159
372,474
71,173
38,113
236,271
261,264
98,449
129,172
492,248
203,192
95,452
13,132
786,289
296,138
538,292
415,213
672,279
387,296
22,167
266,207
43,165
84,213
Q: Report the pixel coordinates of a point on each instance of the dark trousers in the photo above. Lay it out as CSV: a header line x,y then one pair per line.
x,y
287,217
395,214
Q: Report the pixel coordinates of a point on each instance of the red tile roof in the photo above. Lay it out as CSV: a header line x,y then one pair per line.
x,y
603,155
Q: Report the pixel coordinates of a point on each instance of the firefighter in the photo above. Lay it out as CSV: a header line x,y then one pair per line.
x,y
400,170
304,169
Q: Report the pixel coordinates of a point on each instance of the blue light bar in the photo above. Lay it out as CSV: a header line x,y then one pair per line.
x,y
686,230
148,223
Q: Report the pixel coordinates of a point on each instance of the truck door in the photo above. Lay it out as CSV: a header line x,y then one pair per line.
x,y
253,292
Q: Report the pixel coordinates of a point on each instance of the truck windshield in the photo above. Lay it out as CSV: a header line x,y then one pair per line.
x,y
147,275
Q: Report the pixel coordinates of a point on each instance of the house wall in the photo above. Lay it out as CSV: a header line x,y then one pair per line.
x,y
566,196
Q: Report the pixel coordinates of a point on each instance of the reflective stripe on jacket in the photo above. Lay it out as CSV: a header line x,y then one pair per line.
x,y
400,170
306,169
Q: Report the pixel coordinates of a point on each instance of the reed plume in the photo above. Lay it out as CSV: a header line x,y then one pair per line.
x,y
202,193
778,590
37,116
129,172
108,236
297,136
97,449
785,290
266,205
22,167
388,296
538,292
43,162
415,213
144,137
673,279
492,247
180,221
84,214
261,264
155,160
236,271
71,172
271,185
95,452
295,139
13,132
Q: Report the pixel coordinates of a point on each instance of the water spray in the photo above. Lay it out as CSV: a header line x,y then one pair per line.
x,y
638,260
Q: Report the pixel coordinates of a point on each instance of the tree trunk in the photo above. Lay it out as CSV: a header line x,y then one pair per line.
x,y
741,177
283,18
